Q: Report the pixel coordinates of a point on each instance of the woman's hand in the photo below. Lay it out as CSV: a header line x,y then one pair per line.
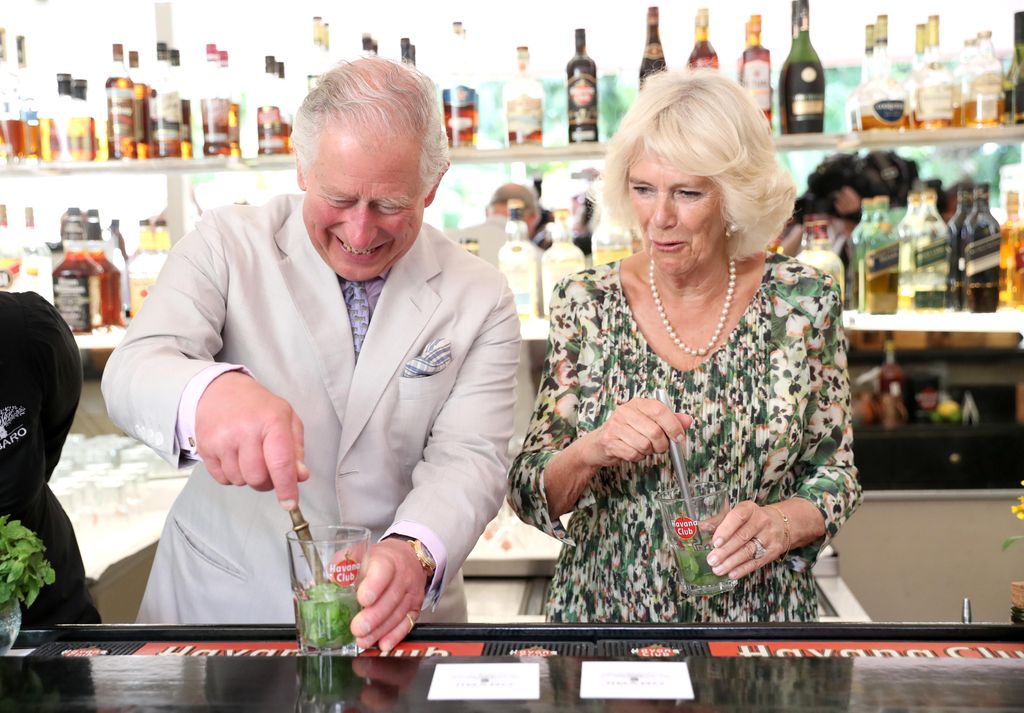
x,y
736,552
635,430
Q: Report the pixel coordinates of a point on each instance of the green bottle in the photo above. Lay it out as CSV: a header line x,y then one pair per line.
x,y
802,82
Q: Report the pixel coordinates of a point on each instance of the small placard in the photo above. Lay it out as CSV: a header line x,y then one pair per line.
x,y
485,682
636,679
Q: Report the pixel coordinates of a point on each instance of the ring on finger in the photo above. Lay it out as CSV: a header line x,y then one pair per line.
x,y
412,621
759,548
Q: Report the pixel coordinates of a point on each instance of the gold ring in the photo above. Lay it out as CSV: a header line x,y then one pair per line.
x,y
412,622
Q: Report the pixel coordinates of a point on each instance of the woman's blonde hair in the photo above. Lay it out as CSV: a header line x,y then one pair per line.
x,y
707,125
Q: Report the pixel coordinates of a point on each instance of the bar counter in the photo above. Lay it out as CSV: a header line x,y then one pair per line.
x,y
777,667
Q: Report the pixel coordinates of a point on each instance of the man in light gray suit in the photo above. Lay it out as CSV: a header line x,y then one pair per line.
x,y
333,349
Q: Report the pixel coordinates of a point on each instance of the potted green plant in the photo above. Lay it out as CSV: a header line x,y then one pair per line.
x,y
23,572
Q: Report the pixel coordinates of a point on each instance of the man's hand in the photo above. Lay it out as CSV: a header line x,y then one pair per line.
x,y
248,436
390,594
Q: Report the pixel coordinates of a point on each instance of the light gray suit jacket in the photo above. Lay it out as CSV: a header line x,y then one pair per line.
x,y
247,287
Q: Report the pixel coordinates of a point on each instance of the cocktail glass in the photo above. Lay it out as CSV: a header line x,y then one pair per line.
x,y
689,527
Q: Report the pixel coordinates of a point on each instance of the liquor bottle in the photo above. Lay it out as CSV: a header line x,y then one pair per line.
x,y
582,93
318,58
654,56
961,76
916,71
755,71
216,107
53,128
141,105
1011,249
931,257
164,108
27,106
955,278
906,232
147,262
120,109
186,104
268,115
982,90
936,98
802,81
82,126
76,280
12,134
234,105
883,103
111,306
36,261
524,104
862,235
561,259
881,264
460,99
703,54
286,117
367,40
1013,84
406,51
981,237
10,255
867,71
518,260
892,385
610,243
817,252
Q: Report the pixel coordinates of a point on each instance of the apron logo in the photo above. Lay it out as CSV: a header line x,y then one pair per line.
x,y
10,436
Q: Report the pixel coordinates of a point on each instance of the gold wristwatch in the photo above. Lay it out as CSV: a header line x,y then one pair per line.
x,y
426,561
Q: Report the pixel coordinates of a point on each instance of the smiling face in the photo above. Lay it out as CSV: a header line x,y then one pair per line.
x,y
680,216
364,201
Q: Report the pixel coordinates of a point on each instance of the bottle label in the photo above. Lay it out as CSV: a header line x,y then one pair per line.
x,y
653,51
704,63
882,261
582,109
121,112
525,115
165,116
78,301
582,92
807,107
215,120
935,103
9,268
460,96
981,255
138,290
889,111
932,255
757,78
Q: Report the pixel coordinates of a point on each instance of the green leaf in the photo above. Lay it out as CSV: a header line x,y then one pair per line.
x,y
24,569
1010,540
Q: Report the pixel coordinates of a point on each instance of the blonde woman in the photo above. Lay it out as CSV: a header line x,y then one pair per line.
x,y
750,348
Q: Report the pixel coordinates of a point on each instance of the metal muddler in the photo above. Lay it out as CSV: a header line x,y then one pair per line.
x,y
678,462
301,529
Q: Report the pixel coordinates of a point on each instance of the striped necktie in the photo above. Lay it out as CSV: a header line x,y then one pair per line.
x,y
358,311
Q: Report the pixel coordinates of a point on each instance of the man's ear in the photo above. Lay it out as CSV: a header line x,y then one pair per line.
x,y
433,191
300,177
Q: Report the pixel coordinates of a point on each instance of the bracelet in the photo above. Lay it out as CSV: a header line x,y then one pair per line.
x,y
785,524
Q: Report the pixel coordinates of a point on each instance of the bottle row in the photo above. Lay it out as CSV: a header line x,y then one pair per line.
x,y
149,109
88,275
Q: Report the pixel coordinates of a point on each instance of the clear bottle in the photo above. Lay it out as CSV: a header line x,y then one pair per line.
x,y
581,87
561,259
12,133
982,91
856,291
817,251
524,104
36,261
142,87
318,58
215,107
10,255
234,99
881,264
28,110
936,89
120,109
654,56
931,257
77,292
1011,250
82,126
164,108
907,231
284,102
955,276
703,54
980,237
883,102
917,70
963,75
179,80
755,70
519,261
802,80
610,243
54,126
147,262
867,67
459,96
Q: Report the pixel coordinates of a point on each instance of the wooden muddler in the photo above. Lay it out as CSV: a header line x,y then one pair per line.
x,y
301,529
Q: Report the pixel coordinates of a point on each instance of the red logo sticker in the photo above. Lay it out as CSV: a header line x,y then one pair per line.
x,y
342,570
685,527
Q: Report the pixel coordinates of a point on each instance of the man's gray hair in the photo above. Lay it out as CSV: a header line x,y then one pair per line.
x,y
380,99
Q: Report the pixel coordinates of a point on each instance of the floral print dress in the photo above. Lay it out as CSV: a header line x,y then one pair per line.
x,y
771,411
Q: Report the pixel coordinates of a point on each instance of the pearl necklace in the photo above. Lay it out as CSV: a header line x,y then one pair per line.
x,y
721,320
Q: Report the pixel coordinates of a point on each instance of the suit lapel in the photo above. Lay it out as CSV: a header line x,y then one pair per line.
x,y
316,294
405,306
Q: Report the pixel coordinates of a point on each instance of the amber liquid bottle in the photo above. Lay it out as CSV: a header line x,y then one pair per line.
x,y
756,68
459,98
186,106
120,109
654,56
216,108
76,280
29,115
582,90
981,241
703,54
141,104
82,127
111,306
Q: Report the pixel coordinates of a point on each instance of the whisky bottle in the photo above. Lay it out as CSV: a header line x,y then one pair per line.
x,y
10,255
906,232
654,56
82,126
561,259
460,99
862,234
802,81
268,115
164,108
76,280
881,264
231,95
982,88
53,128
817,252
1013,84
981,241
36,261
27,106
186,104
141,105
703,54
286,116
519,260
867,67
883,103
12,134
111,309
931,257
216,107
755,71
961,76
917,70
524,104
1011,250
936,99
120,109
955,276
582,93
147,262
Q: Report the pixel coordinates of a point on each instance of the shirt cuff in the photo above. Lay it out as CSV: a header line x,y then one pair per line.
x,y
185,428
433,545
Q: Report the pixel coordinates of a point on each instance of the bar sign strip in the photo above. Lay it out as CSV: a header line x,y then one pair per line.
x,y
867,649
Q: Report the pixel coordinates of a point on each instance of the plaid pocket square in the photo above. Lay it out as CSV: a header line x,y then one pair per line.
x,y
435,357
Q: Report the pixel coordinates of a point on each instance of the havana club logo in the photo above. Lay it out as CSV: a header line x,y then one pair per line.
x,y
533,651
655,651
